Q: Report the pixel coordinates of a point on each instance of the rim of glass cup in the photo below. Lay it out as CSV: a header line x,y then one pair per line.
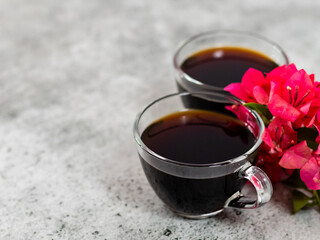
x,y
230,32
196,94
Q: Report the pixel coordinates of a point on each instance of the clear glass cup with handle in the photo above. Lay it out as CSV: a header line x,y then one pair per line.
x,y
251,43
202,190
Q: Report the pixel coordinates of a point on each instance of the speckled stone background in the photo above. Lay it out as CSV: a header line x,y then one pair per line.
x,y
73,76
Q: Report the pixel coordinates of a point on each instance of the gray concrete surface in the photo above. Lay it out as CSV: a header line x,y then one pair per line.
x,y
73,76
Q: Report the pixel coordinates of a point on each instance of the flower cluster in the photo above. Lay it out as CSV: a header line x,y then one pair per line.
x,y
292,99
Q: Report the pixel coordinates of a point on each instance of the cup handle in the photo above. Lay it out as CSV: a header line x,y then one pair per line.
x,y
260,182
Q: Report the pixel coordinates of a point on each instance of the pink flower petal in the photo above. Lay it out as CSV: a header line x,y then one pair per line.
x,y
311,76
310,174
296,156
244,115
308,122
280,108
237,90
250,79
275,88
305,108
278,123
281,74
310,118
317,152
266,138
260,95
301,79
282,132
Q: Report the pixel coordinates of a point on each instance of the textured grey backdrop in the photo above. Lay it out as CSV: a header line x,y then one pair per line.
x,y
73,76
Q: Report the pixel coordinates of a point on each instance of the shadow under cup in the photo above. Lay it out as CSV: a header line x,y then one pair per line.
x,y
201,190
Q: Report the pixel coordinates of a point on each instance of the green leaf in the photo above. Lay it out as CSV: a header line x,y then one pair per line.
x,y
311,204
310,135
317,197
300,201
262,110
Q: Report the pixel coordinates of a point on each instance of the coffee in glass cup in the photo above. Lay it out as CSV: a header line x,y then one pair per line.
x,y
212,60
197,160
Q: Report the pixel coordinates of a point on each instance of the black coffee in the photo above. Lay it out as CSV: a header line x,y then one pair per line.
x,y
222,66
196,137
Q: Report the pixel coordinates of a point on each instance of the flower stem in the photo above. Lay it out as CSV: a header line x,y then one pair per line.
x,y
315,193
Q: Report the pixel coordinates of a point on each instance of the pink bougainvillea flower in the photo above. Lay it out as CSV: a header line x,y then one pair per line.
x,y
269,163
293,98
312,117
314,112
310,173
300,157
246,117
253,87
317,140
296,156
281,108
317,151
279,136
281,74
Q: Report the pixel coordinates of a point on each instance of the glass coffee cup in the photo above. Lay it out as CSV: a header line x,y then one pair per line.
x,y
197,176
212,60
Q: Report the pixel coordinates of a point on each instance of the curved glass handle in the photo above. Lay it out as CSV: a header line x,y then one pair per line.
x,y
262,185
